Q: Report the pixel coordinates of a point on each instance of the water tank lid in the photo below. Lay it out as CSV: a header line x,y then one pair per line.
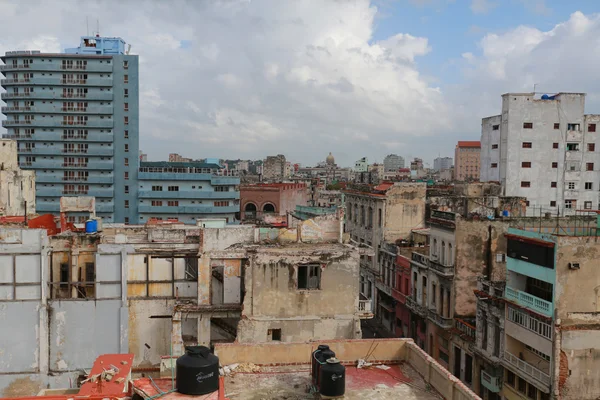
x,y
333,360
197,351
323,347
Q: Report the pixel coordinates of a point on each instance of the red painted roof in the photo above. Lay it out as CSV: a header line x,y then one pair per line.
x,y
383,186
469,143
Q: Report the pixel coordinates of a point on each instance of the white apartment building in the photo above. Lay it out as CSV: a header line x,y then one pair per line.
x,y
442,163
545,149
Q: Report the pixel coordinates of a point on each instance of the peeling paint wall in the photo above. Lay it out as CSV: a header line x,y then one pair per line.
x,y
404,211
17,187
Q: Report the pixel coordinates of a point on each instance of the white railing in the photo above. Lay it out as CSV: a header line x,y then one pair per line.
x,y
490,382
465,328
365,306
527,368
530,301
530,323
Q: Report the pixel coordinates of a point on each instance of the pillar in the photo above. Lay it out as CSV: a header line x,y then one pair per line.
x,y
204,280
176,338
204,330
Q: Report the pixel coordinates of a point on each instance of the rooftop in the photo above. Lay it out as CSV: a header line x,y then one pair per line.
x,y
167,164
469,143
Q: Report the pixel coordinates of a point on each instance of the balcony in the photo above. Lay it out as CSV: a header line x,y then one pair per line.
x,y
419,260
187,209
464,329
399,296
55,95
442,322
188,194
57,66
19,109
92,136
56,81
412,304
41,177
58,122
528,369
491,383
446,271
225,180
365,309
527,300
574,135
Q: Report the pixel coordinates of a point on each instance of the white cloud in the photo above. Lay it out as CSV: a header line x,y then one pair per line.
x,y
482,6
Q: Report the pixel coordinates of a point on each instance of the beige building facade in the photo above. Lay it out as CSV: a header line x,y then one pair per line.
x,y
17,187
467,161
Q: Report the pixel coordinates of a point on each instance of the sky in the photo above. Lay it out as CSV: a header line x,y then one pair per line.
x,y
358,78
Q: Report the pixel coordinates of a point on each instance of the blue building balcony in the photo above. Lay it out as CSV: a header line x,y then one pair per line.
x,y
47,207
171,176
62,191
56,65
188,194
54,151
60,164
529,301
92,136
47,177
57,95
225,180
57,123
146,209
58,81
54,109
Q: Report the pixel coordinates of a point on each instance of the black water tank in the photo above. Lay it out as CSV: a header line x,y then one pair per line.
x,y
197,371
332,379
314,363
322,357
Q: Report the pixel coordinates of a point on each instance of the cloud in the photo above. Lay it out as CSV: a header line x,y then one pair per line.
x,y
248,79
482,6
537,6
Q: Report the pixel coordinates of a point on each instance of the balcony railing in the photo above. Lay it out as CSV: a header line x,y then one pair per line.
x,y
441,269
465,329
492,383
442,322
416,307
530,323
527,300
526,368
365,309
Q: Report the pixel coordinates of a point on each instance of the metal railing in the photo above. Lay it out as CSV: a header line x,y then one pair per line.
x,y
442,322
526,368
465,328
445,270
530,323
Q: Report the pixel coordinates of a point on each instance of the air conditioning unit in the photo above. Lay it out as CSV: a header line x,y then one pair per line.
x,y
574,266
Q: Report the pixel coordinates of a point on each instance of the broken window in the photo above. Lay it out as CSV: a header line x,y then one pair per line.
x,y
495,127
309,277
64,275
573,127
191,269
90,273
572,146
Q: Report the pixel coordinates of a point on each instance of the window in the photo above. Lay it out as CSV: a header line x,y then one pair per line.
x,y
173,188
173,203
64,275
552,184
494,146
589,166
527,125
571,185
525,184
157,188
532,392
126,175
591,127
379,218
125,64
522,386
495,127
527,145
556,125
126,106
553,203
591,146
589,185
275,334
221,204
126,120
126,161
191,269
510,378
554,165
494,165
126,203
555,145
126,220
309,277
125,78
526,164
587,205
125,92
126,188
126,148
572,146
156,203
570,203
126,135
573,127
221,188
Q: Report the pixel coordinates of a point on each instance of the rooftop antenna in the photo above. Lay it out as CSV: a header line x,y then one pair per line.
x,y
98,27
534,86
87,26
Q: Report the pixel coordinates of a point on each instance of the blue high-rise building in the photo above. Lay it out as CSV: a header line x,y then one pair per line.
x,y
187,191
75,116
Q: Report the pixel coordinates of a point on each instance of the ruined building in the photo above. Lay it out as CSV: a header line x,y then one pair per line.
x,y
149,290
17,187
274,168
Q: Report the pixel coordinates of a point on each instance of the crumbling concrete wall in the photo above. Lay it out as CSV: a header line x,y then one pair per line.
x,y
475,248
222,238
273,300
17,187
404,210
